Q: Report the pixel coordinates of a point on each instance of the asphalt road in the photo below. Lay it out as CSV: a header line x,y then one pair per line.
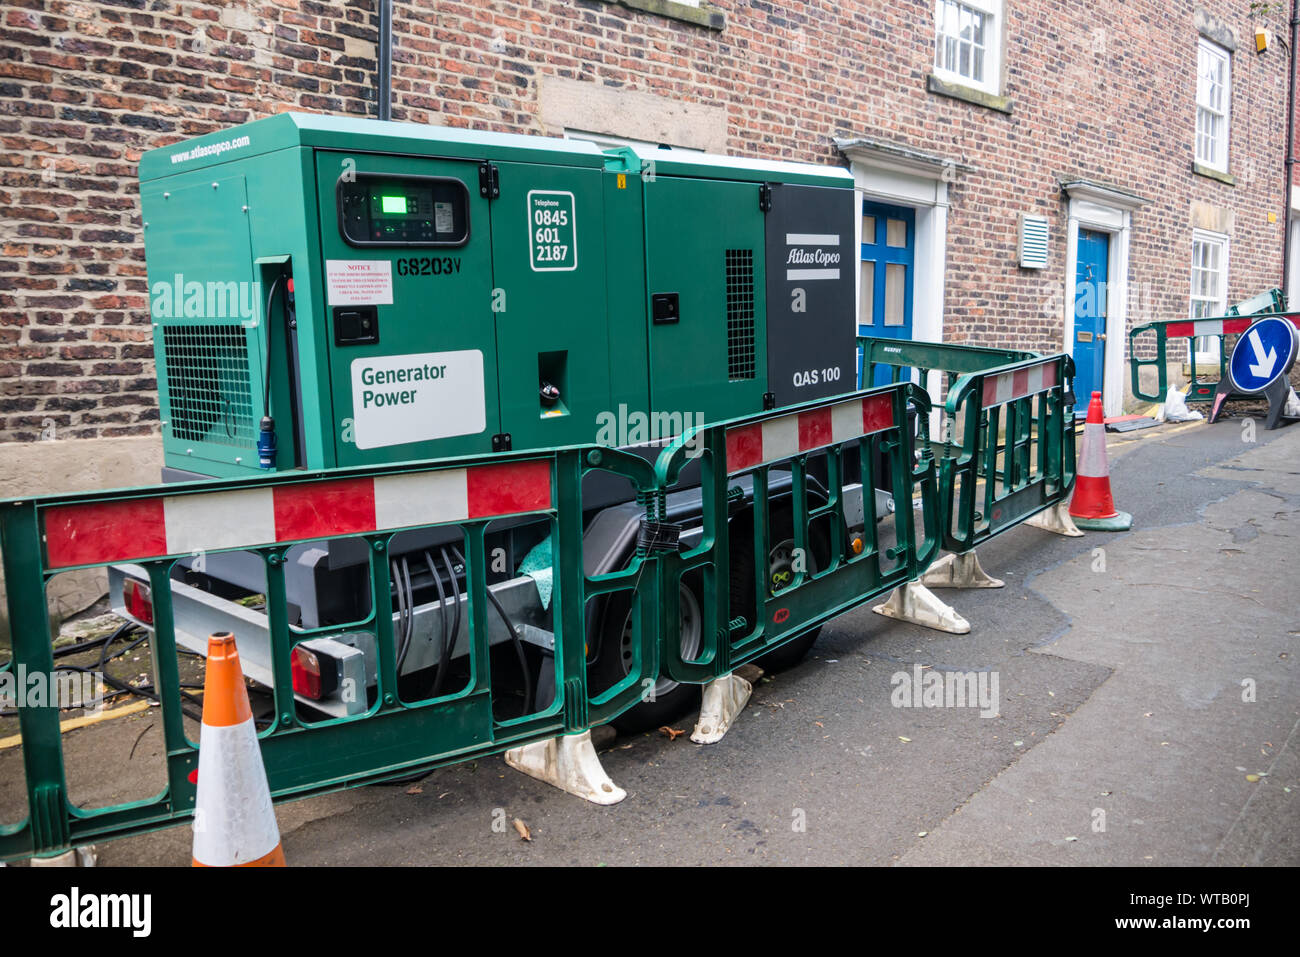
x,y
1122,736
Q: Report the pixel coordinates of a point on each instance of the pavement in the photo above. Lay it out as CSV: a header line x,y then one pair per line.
x,y
1148,704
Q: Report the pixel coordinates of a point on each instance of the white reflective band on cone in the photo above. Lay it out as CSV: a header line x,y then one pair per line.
x,y
1092,459
234,821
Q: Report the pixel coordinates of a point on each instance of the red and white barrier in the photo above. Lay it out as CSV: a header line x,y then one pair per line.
x,y
1019,383
1222,327
782,436
244,518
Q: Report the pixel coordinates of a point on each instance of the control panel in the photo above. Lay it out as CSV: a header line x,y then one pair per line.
x,y
403,210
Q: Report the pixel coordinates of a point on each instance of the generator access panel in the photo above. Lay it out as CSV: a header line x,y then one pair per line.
x,y
385,292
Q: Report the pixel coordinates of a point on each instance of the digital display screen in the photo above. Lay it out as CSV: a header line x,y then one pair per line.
x,y
401,202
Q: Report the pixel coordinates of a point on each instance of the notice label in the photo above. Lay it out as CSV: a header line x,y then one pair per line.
x,y
444,217
552,231
397,400
359,282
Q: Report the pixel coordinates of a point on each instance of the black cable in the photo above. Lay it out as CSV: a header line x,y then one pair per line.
x,y
144,691
514,636
109,697
94,643
409,628
103,652
449,641
442,614
120,686
266,319
455,593
144,636
401,608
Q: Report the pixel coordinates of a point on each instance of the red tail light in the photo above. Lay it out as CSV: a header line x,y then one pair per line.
x,y
315,674
139,600
305,668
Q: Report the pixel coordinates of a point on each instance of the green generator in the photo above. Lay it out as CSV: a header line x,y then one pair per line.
x,y
355,292
331,292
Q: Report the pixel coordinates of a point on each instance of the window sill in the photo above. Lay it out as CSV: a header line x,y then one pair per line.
x,y
704,15
968,94
1200,169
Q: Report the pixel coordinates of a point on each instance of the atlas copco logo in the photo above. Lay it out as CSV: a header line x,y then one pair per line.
x,y
800,256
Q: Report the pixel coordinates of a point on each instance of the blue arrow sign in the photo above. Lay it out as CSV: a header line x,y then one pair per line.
x,y
1263,352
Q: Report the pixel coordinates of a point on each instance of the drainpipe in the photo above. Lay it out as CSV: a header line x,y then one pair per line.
x,y
1290,145
385,93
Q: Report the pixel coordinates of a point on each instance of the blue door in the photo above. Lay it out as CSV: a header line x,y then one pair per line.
x,y
887,266
1089,346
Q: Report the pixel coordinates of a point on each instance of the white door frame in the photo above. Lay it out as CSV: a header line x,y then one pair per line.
x,y
901,177
1293,267
1106,210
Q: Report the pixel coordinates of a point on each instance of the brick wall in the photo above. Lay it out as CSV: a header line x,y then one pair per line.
x,y
1102,91
85,88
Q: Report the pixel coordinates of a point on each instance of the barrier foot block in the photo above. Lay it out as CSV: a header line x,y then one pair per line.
x,y
915,603
724,699
569,763
76,857
1119,522
1056,519
959,571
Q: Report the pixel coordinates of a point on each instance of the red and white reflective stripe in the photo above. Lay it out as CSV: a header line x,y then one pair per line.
x,y
783,436
1019,383
1220,327
1208,327
1092,457
242,518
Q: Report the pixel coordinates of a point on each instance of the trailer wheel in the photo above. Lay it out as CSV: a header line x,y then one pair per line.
x,y
670,699
780,563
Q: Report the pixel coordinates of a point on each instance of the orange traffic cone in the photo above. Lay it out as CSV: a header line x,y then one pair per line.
x,y
234,822
1092,507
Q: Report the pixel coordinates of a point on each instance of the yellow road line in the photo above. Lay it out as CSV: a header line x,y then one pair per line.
x,y
85,720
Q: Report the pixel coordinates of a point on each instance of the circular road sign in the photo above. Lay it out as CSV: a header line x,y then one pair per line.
x,y
1263,353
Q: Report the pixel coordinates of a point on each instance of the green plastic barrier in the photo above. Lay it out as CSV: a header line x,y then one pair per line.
x,y
151,528
1007,449
823,446
1235,321
398,734
898,355
989,485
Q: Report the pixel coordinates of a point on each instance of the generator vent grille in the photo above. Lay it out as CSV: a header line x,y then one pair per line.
x,y
209,388
740,314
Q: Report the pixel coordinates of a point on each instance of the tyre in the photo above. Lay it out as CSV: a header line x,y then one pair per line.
x,y
780,570
670,699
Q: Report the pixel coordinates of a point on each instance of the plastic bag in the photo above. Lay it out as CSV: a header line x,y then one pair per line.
x,y
1175,408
